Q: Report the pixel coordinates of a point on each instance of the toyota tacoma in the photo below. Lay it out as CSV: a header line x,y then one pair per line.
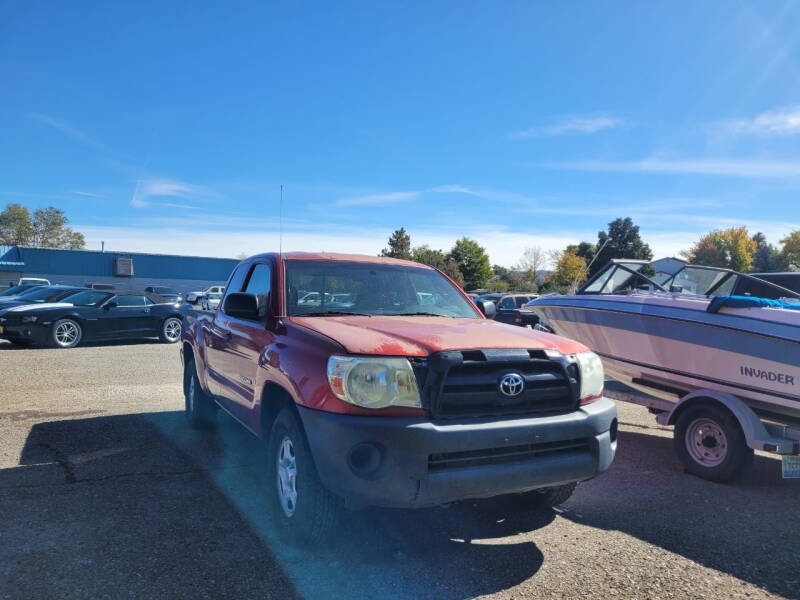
x,y
376,381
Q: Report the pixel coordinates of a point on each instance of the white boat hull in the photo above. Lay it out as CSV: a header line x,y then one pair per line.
x,y
671,346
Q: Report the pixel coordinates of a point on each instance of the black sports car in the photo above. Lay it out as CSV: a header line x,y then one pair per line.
x,y
39,294
16,290
92,315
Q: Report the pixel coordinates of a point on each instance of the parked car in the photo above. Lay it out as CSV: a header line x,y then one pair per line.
x,y
33,281
167,293
210,301
16,290
39,294
195,297
509,310
92,315
100,286
391,401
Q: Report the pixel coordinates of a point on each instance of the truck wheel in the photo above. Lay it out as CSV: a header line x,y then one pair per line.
x,y
549,497
170,330
304,509
710,443
200,409
65,333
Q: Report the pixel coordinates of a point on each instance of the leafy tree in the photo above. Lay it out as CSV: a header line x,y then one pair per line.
x,y
530,268
767,258
570,269
428,256
72,240
726,248
586,250
621,241
46,228
472,261
15,226
790,253
438,260
452,270
399,245
497,285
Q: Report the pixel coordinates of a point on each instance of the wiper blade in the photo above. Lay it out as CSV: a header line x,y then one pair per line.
x,y
419,314
331,313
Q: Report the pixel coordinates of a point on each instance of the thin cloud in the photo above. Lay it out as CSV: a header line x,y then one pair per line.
x,y
779,121
701,166
68,129
454,189
378,199
152,188
582,125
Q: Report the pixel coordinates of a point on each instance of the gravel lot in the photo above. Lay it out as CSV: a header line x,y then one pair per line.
x,y
105,493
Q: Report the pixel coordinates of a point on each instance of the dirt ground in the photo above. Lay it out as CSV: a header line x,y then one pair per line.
x,y
106,493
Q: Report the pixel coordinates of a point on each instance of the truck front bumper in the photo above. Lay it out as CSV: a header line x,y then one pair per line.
x,y
386,461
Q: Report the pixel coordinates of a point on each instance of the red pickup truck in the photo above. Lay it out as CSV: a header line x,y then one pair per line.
x,y
375,381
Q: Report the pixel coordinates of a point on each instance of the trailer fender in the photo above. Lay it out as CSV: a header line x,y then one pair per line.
x,y
754,430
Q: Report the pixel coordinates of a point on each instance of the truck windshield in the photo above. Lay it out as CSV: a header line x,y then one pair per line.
x,y
318,287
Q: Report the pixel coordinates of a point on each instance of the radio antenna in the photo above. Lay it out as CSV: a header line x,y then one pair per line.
x,y
280,236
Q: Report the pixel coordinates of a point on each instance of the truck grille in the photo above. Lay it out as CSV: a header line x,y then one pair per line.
x,y
467,383
472,458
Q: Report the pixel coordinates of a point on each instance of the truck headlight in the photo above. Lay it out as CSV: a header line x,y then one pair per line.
x,y
592,376
373,382
30,319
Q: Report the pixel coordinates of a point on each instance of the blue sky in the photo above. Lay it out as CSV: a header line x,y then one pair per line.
x,y
170,126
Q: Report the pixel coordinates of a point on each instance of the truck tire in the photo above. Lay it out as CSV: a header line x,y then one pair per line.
x,y
305,511
549,497
199,407
710,443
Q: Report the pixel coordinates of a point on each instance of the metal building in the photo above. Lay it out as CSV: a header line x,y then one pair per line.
x,y
126,270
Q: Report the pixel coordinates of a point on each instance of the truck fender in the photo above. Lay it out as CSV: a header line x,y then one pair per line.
x,y
755,433
195,342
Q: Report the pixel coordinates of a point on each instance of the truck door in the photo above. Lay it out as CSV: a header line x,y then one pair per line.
x,y
237,346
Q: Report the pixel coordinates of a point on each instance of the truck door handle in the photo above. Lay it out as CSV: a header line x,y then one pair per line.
x,y
223,333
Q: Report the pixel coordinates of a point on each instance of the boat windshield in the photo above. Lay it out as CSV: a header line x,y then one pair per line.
x,y
623,277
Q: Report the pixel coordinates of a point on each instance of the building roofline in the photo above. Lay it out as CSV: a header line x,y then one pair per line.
x,y
123,252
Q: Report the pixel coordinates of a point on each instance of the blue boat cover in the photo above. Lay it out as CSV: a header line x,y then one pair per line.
x,y
748,302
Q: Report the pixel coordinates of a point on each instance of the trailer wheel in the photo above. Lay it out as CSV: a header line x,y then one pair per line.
x,y
710,443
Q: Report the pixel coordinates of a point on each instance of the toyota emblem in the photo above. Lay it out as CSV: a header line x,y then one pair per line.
x,y
511,385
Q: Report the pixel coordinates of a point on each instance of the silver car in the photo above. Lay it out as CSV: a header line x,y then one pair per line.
x,y
211,301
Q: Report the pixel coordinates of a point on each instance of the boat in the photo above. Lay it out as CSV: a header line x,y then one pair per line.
x,y
671,331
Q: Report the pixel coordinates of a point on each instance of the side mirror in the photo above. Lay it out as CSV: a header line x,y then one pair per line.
x,y
111,304
241,306
487,307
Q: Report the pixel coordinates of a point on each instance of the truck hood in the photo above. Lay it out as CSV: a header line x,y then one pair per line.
x,y
420,336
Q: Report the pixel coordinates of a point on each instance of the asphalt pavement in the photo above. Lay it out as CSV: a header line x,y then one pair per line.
x,y
106,493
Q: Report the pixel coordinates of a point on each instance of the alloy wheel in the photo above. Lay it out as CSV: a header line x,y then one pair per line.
x,y
172,329
287,476
67,334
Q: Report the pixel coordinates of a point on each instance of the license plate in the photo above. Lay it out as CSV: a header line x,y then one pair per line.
x,y
791,467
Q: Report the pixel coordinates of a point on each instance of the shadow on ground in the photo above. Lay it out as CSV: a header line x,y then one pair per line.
x,y
746,528
143,505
